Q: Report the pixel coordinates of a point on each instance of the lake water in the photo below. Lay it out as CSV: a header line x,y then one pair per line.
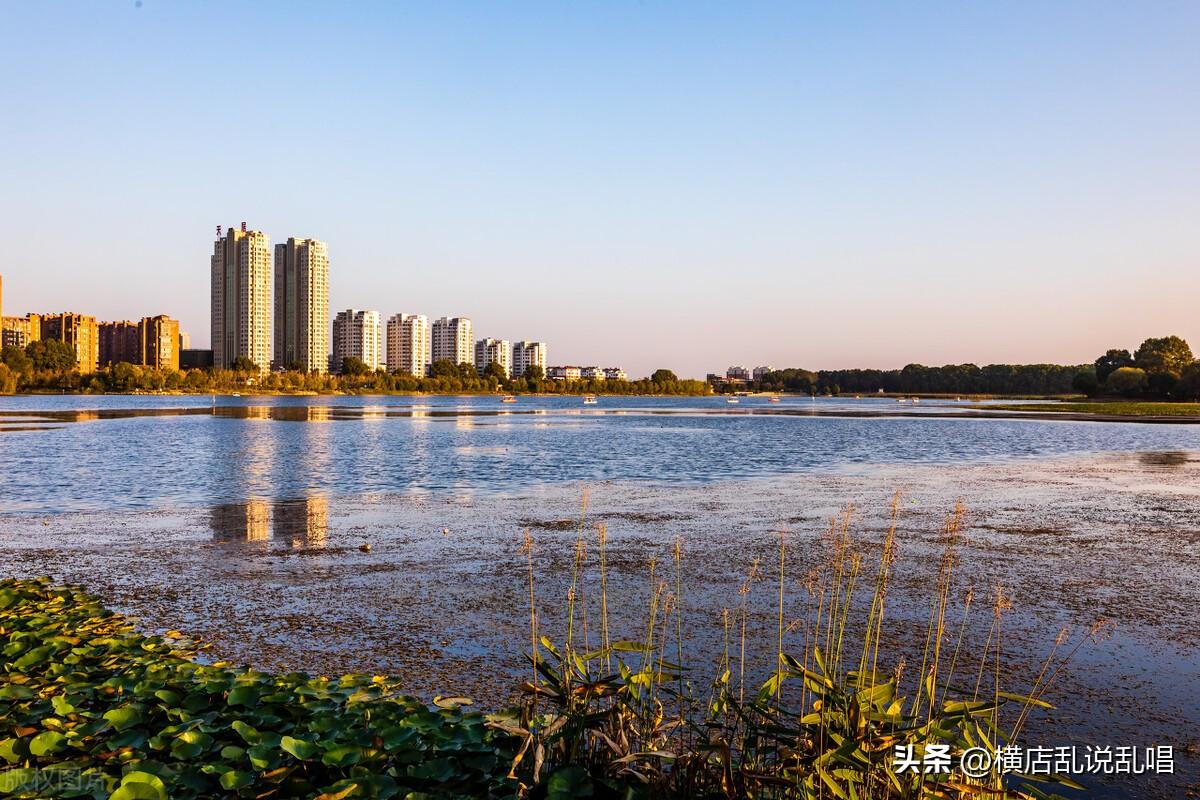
x,y
241,520
103,453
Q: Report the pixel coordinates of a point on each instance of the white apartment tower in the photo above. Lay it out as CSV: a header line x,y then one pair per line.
x,y
241,298
528,354
494,351
302,305
356,335
408,344
452,340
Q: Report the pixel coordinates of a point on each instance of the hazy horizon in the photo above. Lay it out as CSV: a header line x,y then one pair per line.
x,y
642,185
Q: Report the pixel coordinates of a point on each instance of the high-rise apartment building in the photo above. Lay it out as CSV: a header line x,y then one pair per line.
x,y
120,341
81,332
302,305
20,331
408,344
356,335
158,338
452,340
241,298
528,354
493,351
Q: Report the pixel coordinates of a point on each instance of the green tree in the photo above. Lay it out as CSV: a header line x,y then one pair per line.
x,y
8,379
663,376
1085,382
444,368
244,364
534,372
494,370
1126,381
1110,362
1188,387
122,377
355,366
51,355
1168,354
16,360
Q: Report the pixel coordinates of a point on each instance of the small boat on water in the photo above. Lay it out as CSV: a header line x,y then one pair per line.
x,y
508,398
916,399
773,399
901,399
589,399
731,400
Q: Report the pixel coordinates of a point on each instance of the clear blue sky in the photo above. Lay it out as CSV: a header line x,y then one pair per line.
x,y
689,184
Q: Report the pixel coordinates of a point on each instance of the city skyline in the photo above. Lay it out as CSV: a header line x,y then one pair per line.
x,y
662,186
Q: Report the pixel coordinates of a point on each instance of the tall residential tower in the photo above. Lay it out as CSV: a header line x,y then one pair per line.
x,y
452,340
356,335
408,344
302,305
241,298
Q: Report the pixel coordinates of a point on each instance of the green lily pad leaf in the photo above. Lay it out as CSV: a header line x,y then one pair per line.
x,y
299,748
47,743
342,756
12,780
236,779
138,791
249,734
124,717
243,696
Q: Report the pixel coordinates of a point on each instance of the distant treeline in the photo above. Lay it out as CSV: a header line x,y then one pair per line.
x,y
1039,379
49,366
1160,368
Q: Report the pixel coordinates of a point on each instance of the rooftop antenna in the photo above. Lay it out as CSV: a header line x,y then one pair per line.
x,y
218,231
243,226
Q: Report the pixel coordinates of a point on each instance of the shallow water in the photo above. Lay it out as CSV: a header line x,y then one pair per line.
x,y
243,526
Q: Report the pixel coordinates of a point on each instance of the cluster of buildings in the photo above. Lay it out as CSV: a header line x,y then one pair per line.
x,y
274,311
271,306
153,341
738,376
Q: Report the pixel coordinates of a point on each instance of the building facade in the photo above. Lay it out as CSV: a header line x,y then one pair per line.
x,y
158,338
81,332
408,346
494,351
302,305
615,374
120,341
241,298
20,331
564,373
760,372
356,335
452,340
528,354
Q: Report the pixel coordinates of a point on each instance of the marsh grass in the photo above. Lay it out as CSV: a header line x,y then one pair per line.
x,y
626,719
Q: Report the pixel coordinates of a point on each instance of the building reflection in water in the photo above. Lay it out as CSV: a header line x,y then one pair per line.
x,y
302,522
297,522
240,522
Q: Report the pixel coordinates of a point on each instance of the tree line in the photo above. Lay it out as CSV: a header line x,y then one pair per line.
x,y
1161,368
1009,379
50,366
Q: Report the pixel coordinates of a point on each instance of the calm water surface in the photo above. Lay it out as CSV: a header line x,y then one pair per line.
x,y
240,520
95,453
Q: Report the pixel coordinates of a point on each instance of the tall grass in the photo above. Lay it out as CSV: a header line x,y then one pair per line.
x,y
624,719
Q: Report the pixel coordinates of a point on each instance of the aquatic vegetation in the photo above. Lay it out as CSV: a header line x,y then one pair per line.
x,y
627,719
91,708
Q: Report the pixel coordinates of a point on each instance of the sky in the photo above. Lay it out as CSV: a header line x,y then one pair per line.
x,y
687,185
